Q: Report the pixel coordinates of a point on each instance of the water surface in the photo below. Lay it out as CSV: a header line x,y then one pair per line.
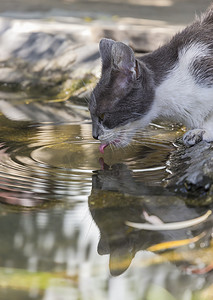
x,y
64,208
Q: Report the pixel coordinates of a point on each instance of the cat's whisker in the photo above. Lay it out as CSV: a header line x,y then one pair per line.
x,y
144,142
137,114
86,100
83,82
111,147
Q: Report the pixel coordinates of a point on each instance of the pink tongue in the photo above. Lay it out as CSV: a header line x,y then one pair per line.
x,y
102,147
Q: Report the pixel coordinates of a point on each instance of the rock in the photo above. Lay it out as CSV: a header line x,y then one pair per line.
x,y
142,36
44,53
192,173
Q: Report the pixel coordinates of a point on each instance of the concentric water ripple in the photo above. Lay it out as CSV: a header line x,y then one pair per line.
x,y
55,162
41,168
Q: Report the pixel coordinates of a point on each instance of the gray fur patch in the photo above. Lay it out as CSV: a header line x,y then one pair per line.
x,y
202,71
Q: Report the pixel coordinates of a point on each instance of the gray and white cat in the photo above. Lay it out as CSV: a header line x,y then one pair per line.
x,y
175,82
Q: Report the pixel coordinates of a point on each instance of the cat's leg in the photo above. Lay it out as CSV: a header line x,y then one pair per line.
x,y
195,136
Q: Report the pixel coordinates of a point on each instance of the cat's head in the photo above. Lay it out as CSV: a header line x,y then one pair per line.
x,y
123,96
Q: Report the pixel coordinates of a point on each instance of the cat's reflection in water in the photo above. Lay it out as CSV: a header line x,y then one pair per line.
x,y
116,197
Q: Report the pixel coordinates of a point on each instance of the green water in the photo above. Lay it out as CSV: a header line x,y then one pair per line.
x,y
63,208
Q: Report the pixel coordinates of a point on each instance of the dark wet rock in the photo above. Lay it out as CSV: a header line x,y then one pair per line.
x,y
192,173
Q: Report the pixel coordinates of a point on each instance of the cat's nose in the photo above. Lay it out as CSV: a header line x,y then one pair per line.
x,y
95,131
95,136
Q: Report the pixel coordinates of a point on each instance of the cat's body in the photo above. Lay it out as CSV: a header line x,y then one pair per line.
x,y
175,82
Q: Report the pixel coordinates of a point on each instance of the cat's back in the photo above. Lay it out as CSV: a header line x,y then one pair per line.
x,y
192,48
183,70
206,19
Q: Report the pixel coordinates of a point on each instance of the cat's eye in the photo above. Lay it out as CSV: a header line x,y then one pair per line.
x,y
136,69
101,117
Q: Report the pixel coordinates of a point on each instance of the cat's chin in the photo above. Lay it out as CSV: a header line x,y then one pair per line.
x,y
119,137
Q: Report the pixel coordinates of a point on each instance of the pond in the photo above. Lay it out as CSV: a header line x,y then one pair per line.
x,y
64,209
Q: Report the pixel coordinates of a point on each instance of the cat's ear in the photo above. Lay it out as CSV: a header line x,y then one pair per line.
x,y
105,48
123,59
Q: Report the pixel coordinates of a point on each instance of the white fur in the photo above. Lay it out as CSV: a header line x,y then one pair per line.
x,y
180,98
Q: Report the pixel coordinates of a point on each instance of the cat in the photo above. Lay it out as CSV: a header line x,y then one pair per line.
x,y
174,82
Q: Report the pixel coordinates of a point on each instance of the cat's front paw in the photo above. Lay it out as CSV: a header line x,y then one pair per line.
x,y
193,137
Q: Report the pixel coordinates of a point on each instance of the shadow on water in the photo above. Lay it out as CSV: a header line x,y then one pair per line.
x,y
64,210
